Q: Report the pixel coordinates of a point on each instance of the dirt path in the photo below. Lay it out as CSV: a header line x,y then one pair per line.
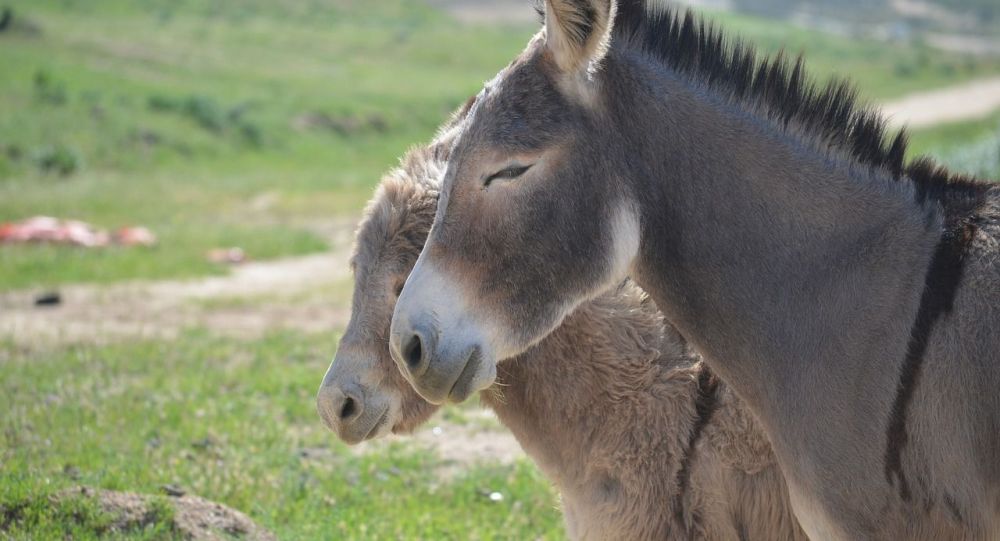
x,y
481,441
968,101
255,298
308,293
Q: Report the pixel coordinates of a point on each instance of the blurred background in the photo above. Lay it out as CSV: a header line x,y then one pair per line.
x,y
179,183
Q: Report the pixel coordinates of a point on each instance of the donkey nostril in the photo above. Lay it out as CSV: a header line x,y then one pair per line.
x,y
414,351
348,408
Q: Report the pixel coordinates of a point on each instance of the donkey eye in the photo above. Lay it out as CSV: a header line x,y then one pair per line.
x,y
508,173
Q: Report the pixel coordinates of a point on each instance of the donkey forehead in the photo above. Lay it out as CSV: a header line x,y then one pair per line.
x,y
520,110
387,245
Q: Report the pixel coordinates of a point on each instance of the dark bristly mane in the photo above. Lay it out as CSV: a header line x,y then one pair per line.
x,y
783,91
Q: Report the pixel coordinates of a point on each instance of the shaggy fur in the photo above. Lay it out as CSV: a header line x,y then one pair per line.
x,y
641,441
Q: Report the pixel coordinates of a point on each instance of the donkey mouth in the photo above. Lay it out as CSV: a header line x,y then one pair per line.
x,y
374,430
463,386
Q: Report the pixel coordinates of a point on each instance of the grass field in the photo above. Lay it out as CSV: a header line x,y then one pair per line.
x,y
252,124
263,125
232,421
971,147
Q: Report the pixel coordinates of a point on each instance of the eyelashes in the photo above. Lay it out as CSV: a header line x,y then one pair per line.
x,y
508,173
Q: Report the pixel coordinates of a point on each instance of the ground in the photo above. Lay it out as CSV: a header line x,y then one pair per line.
x,y
172,516
266,127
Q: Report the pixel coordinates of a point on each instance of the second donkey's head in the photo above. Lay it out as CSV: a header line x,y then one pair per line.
x,y
363,395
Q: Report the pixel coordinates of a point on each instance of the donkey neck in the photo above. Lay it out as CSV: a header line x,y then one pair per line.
x,y
584,401
771,253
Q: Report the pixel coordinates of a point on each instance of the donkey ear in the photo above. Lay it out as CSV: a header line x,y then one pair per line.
x,y
577,32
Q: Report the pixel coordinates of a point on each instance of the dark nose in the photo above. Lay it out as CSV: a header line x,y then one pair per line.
x,y
415,354
415,350
339,406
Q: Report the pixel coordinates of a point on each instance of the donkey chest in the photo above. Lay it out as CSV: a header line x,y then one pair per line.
x,y
602,510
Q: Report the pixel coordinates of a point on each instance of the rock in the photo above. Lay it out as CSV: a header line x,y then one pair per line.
x,y
49,298
194,518
173,490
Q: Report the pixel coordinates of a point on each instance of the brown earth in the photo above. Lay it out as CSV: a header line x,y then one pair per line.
x,y
307,293
192,518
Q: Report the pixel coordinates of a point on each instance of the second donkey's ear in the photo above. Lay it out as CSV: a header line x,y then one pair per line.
x,y
577,32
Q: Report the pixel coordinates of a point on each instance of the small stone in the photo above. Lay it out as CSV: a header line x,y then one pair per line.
x,y
203,443
49,298
496,497
71,471
173,490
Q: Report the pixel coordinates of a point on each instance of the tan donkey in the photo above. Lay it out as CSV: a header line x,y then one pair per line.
x,y
641,441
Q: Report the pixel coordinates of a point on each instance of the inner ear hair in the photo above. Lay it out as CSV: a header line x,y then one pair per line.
x,y
577,32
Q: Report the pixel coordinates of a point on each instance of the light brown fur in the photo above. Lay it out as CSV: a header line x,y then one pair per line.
x,y
605,405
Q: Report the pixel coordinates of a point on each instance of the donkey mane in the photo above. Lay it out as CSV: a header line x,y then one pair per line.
x,y
782,91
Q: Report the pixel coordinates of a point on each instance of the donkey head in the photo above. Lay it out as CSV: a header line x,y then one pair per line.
x,y
532,219
363,395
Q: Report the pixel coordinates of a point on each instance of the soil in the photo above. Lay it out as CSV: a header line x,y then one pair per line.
x,y
194,518
253,299
458,445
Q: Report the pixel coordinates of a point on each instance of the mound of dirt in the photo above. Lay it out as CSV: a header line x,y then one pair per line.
x,y
193,518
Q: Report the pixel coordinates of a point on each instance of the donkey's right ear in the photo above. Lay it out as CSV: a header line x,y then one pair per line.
x,y
577,32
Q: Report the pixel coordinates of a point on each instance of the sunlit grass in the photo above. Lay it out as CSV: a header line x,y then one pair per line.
x,y
178,116
235,422
971,147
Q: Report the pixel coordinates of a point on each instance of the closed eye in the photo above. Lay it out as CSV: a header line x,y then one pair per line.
x,y
508,173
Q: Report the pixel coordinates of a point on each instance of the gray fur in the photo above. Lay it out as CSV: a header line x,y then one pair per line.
x,y
794,266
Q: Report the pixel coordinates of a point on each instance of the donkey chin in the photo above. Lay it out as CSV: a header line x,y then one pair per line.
x,y
356,413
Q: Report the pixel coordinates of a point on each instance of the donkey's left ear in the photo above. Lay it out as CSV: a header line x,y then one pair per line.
x,y
577,32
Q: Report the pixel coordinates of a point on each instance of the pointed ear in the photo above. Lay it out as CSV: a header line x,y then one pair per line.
x,y
577,32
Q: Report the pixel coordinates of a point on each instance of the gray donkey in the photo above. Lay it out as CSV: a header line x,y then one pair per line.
x,y
851,300
692,464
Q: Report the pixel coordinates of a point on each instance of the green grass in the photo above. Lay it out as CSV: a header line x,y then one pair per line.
x,y
180,116
25,266
72,516
234,422
971,147
881,70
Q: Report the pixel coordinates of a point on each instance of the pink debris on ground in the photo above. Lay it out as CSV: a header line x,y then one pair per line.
x,y
229,256
45,229
135,236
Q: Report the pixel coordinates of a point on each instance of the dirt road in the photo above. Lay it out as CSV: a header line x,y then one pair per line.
x,y
257,297
967,101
